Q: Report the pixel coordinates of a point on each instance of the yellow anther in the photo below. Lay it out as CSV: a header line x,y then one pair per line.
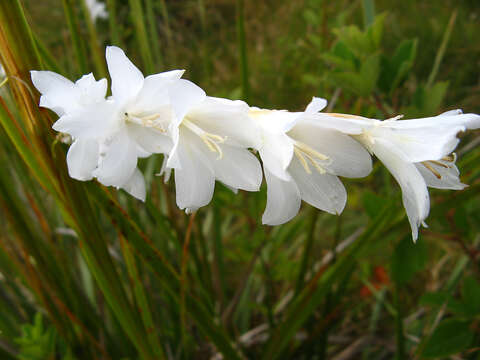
x,y
450,158
210,140
439,164
305,152
433,171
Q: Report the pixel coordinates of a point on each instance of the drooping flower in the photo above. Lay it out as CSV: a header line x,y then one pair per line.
x,y
302,162
211,137
417,152
111,134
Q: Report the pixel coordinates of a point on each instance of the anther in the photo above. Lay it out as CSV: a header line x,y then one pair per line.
x,y
434,172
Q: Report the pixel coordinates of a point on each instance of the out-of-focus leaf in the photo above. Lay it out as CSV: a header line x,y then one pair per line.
x,y
408,258
395,69
449,338
372,203
471,296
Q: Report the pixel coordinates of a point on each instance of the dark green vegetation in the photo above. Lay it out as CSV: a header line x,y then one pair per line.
x,y
88,272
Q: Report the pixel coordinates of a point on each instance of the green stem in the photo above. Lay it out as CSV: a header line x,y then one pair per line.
x,y
441,49
78,45
114,28
400,338
153,33
93,43
242,46
307,252
141,34
368,12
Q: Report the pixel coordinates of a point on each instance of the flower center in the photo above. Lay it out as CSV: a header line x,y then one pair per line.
x,y
308,155
151,121
210,140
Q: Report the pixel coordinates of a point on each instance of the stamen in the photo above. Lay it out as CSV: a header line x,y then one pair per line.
x,y
439,164
304,153
346,116
147,121
434,172
211,140
450,158
395,118
302,160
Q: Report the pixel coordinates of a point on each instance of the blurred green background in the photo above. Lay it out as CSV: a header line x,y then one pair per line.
x,y
221,285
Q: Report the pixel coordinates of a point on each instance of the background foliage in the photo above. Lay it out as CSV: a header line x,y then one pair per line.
x,y
88,272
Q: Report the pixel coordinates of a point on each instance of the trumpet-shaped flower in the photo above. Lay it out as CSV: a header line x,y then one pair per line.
x,y
302,162
111,134
211,137
417,152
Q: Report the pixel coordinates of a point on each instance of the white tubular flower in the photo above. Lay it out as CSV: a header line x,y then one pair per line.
x,y
417,152
301,162
111,134
211,139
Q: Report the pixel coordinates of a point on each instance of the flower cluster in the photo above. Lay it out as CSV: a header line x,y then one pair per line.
x,y
206,139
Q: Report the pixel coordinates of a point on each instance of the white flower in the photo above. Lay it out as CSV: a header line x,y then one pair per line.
x,y
417,152
211,139
111,134
301,161
96,9
68,99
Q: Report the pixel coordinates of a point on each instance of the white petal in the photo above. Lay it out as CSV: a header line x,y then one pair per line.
x,y
414,189
274,121
82,159
316,105
154,95
58,93
118,160
150,140
184,95
418,142
323,191
135,186
448,173
195,180
346,157
452,112
228,119
276,154
127,80
94,121
283,200
454,118
347,124
89,90
238,168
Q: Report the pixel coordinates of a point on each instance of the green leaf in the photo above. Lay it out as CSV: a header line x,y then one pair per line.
x,y
471,295
372,202
395,69
434,299
449,338
408,258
